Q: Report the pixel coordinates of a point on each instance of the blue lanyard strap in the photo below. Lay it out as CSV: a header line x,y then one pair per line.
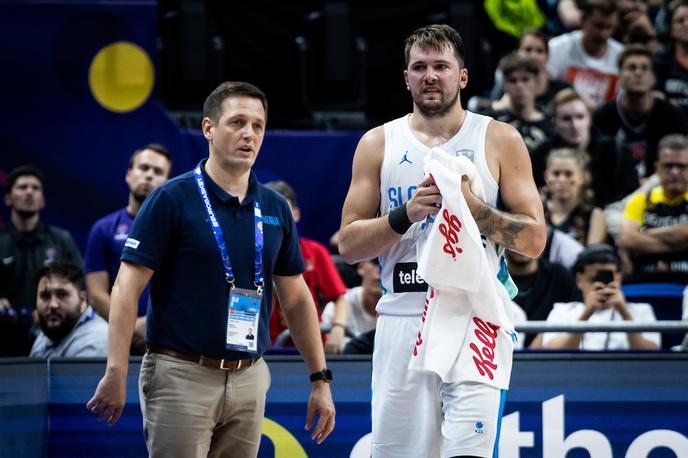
x,y
220,239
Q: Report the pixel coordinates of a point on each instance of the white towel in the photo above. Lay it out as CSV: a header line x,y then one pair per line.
x,y
467,332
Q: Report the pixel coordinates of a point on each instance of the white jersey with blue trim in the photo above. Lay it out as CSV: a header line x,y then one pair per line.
x,y
401,171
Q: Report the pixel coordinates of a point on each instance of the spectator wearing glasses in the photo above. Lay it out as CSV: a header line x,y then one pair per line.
x,y
654,230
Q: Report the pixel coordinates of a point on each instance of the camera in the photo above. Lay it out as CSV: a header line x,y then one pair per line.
x,y
605,276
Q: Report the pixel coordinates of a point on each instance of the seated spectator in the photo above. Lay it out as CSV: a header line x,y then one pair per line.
x,y
613,174
637,119
568,199
149,167
69,326
531,45
635,24
540,284
26,245
520,76
671,64
321,276
654,231
362,300
587,58
598,276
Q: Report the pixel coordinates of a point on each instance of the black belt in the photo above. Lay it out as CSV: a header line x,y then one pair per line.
x,y
224,364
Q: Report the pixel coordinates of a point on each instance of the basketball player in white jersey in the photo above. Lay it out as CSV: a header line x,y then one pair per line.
x,y
386,210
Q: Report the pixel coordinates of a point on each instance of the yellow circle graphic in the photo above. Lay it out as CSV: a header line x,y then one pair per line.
x,y
286,445
121,76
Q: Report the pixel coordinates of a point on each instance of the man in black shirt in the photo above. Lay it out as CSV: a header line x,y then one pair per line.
x,y
636,119
540,284
26,246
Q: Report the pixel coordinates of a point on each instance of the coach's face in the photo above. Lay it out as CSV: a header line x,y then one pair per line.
x,y
435,78
235,138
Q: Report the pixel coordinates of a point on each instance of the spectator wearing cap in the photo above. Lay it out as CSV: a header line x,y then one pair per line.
x,y
599,278
69,326
26,245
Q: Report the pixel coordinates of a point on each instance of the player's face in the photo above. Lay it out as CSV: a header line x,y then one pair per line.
x,y
572,121
26,195
672,169
236,137
435,79
59,306
150,170
636,75
679,24
533,48
564,179
520,86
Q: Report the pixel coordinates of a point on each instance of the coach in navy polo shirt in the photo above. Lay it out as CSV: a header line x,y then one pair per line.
x,y
202,382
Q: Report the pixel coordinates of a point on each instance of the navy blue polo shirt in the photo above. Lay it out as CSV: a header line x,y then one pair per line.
x,y
189,294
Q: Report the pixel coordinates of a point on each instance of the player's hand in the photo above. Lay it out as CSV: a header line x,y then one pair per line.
x,y
108,401
320,403
335,340
471,199
425,201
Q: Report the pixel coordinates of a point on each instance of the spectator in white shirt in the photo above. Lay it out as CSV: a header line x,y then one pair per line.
x,y
362,301
598,276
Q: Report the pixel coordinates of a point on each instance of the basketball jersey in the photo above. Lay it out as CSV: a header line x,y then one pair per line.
x,y
401,171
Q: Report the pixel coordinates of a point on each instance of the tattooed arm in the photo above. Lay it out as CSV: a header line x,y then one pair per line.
x,y
522,227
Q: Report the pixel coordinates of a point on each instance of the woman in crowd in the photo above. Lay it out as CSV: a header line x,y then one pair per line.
x,y
671,64
568,197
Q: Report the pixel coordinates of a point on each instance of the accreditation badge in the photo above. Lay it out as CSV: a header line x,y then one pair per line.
x,y
243,314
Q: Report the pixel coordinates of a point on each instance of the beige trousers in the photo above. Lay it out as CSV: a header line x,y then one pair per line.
x,y
194,411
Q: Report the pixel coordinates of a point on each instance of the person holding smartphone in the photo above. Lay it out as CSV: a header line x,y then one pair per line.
x,y
599,278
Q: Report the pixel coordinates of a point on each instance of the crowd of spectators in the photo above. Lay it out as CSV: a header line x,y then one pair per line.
x,y
603,110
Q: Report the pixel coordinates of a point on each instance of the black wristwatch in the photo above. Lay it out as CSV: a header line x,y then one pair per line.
x,y
325,375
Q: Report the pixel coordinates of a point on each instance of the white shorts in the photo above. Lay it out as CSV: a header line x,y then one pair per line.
x,y
415,414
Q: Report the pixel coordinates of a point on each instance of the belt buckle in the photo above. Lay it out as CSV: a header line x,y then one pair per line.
x,y
222,365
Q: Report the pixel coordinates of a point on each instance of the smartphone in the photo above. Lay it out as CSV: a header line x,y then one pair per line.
x,y
605,276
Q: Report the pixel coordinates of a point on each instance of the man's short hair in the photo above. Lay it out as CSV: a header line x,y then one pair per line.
x,y
435,37
676,142
605,7
515,62
23,171
537,33
597,253
565,96
212,107
64,269
634,49
157,147
287,191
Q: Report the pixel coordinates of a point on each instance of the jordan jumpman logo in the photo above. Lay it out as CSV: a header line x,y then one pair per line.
x,y
405,159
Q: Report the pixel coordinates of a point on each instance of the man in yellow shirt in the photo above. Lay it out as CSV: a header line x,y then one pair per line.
x,y
654,230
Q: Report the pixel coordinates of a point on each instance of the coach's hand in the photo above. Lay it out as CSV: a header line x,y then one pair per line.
x,y
108,401
320,402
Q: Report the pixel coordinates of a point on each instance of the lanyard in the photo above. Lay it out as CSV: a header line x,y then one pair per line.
x,y
220,239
